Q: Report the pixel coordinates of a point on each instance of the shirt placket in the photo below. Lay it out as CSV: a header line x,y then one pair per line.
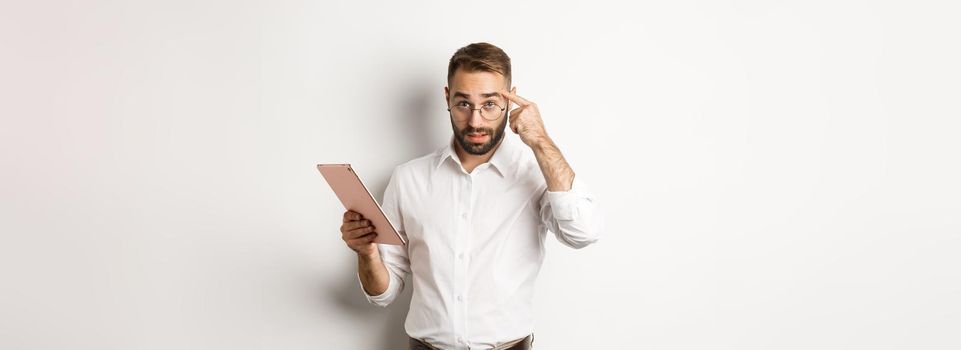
x,y
461,247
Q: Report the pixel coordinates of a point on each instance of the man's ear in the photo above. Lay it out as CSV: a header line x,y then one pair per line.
x,y
447,95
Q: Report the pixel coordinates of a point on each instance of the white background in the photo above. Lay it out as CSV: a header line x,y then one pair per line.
x,y
775,175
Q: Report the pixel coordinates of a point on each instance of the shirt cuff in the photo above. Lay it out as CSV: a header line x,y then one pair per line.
x,y
564,204
383,299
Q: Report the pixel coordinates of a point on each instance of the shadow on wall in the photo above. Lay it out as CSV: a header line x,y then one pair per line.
x,y
421,118
417,119
351,298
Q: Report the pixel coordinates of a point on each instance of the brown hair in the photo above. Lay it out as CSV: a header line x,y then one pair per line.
x,y
480,57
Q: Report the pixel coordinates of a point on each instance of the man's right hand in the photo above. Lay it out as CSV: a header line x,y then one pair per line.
x,y
358,233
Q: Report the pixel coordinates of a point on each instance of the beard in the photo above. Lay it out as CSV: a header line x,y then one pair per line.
x,y
478,149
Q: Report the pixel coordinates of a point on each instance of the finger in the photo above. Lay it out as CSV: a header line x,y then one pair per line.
x,y
351,215
352,234
365,239
358,233
353,225
362,223
520,101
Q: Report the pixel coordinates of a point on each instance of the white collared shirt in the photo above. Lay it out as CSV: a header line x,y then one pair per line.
x,y
476,243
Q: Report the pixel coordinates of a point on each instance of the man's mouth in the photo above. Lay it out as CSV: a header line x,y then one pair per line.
x,y
473,137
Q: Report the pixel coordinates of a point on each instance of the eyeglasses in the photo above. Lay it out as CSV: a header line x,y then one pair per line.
x,y
489,110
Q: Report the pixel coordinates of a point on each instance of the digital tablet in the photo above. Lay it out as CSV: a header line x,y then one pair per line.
x,y
355,196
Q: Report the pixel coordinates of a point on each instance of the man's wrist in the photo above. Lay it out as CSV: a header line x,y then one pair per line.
x,y
368,257
542,143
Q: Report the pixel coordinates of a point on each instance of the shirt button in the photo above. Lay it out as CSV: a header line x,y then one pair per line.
x,y
460,256
463,216
460,298
460,340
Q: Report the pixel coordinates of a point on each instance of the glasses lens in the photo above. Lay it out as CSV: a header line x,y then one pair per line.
x,y
461,112
490,112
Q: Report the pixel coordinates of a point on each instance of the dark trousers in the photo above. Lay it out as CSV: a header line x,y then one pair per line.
x,y
527,343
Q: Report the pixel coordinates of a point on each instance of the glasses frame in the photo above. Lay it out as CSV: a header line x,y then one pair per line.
x,y
499,115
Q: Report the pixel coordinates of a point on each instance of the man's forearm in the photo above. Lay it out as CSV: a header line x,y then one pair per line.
x,y
557,173
373,274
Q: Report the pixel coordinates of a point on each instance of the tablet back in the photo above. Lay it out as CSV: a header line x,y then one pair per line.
x,y
355,196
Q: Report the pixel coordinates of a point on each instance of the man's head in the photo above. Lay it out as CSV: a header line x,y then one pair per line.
x,y
477,72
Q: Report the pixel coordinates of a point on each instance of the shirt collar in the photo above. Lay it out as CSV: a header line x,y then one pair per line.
x,y
501,159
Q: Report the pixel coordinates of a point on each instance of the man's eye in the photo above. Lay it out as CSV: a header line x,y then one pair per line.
x,y
490,104
463,104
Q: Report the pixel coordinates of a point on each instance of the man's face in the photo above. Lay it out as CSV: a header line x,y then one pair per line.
x,y
474,134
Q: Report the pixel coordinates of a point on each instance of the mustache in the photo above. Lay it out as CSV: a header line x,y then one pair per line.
x,y
472,130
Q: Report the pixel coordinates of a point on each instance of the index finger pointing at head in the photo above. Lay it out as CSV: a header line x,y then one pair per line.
x,y
516,99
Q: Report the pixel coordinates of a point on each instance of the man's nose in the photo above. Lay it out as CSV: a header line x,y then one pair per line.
x,y
475,119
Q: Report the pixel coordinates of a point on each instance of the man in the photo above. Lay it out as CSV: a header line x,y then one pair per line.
x,y
476,214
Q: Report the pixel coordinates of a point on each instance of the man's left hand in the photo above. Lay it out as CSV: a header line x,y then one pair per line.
x,y
525,120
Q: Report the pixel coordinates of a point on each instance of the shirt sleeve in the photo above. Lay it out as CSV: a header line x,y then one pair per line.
x,y
394,256
572,215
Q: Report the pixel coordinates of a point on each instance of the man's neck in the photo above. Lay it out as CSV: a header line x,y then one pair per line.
x,y
470,161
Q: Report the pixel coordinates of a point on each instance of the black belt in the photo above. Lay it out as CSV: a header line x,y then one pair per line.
x,y
525,343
